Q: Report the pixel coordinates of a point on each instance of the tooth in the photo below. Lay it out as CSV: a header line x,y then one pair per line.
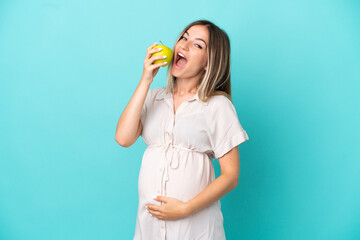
x,y
181,55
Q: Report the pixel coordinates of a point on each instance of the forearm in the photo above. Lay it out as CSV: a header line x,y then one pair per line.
x,y
128,123
216,190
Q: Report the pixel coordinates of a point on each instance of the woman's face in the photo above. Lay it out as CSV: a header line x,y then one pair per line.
x,y
193,45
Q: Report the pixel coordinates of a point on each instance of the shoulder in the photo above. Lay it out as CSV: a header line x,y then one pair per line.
x,y
219,101
153,92
221,107
157,89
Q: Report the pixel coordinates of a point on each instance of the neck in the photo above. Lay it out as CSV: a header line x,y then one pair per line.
x,y
184,86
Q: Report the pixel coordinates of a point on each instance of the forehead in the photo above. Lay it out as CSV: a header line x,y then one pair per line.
x,y
199,31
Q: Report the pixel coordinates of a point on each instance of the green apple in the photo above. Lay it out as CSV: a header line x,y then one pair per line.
x,y
165,51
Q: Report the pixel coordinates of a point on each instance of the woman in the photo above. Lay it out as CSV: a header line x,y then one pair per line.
x,y
185,125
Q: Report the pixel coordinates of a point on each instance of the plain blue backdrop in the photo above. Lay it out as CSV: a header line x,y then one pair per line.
x,y
69,68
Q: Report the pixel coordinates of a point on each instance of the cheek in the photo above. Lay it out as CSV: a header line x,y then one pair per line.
x,y
205,59
201,59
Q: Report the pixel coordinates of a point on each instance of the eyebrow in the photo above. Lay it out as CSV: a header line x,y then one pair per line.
x,y
197,38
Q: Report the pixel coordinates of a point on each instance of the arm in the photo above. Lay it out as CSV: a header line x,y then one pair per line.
x,y
228,180
129,125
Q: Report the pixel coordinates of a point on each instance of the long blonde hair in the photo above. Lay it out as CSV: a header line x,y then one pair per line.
x,y
216,78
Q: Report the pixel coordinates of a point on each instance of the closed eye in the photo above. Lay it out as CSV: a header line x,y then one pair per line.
x,y
195,44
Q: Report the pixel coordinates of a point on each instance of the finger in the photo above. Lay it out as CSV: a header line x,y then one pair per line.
x,y
153,66
161,199
153,58
155,213
150,55
151,46
152,51
154,207
156,66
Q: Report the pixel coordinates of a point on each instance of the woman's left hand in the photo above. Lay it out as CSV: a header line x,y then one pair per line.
x,y
173,209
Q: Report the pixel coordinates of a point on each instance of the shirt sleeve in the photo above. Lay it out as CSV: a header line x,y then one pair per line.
x,y
226,131
146,105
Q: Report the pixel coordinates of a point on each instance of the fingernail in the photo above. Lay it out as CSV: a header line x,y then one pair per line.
x,y
154,197
146,207
160,48
155,43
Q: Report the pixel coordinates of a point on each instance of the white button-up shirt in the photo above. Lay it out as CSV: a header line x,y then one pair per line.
x,y
178,161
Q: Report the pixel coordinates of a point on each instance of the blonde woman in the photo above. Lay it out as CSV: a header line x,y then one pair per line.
x,y
185,125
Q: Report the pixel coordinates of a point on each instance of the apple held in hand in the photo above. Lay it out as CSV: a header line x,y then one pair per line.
x,y
165,51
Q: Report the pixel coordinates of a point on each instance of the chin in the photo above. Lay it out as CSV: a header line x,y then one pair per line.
x,y
174,72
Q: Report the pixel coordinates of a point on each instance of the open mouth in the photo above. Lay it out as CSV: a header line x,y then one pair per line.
x,y
180,61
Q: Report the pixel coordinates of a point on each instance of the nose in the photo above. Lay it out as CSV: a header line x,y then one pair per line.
x,y
184,46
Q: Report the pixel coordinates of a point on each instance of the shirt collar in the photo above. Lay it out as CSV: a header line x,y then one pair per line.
x,y
168,96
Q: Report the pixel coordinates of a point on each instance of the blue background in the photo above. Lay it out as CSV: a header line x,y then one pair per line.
x,y
69,68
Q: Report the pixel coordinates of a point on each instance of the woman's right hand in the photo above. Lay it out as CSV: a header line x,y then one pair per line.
x,y
150,70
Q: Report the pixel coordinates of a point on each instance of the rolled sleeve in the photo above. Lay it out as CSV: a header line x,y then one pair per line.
x,y
226,132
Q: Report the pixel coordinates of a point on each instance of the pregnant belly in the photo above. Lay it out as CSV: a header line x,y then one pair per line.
x,y
192,175
190,178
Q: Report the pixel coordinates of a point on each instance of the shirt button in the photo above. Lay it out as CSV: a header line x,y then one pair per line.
x,y
162,226
158,191
168,135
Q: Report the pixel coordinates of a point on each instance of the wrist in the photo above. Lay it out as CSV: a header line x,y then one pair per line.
x,y
145,81
188,209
